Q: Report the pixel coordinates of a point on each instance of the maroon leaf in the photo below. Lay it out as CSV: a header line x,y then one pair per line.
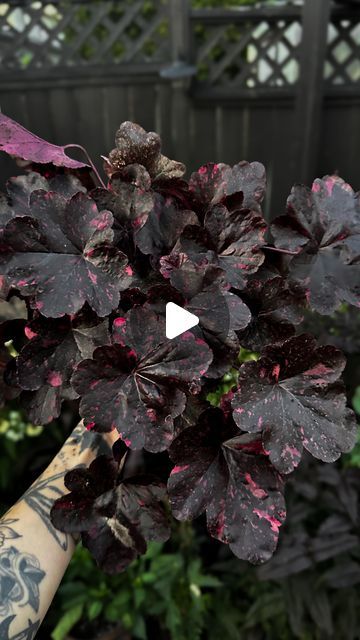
x,y
237,238
292,396
232,480
244,185
115,517
275,309
220,312
137,385
45,364
66,243
42,406
323,226
231,240
163,227
20,189
130,201
134,145
17,141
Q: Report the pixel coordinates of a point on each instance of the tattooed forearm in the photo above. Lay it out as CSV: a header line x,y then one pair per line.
x,y
28,633
20,576
43,493
85,439
33,554
40,498
7,532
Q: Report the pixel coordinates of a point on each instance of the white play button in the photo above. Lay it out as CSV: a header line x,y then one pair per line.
x,y
178,320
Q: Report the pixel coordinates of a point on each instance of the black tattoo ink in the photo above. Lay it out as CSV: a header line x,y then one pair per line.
x,y
7,532
20,576
27,634
40,498
88,440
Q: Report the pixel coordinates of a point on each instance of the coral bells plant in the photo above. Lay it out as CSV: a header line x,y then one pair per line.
x,y
96,261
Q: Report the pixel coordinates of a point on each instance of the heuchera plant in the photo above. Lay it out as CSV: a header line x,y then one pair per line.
x,y
96,265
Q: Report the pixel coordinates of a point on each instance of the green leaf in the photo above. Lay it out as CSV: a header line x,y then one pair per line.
x,y
356,400
67,622
209,581
139,596
94,609
139,628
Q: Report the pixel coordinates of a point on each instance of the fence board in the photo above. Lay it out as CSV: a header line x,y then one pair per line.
x,y
340,143
237,115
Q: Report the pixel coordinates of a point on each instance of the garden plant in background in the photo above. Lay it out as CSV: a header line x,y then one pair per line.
x,y
96,265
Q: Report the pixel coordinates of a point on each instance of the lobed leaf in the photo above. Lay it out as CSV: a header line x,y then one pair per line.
x,y
66,245
138,384
230,478
293,397
323,226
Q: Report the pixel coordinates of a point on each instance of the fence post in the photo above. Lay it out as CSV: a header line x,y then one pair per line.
x,y
179,73
309,101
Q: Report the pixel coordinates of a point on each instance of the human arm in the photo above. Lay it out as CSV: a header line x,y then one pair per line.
x,y
33,554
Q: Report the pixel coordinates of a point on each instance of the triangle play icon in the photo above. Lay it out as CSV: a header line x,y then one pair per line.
x,y
178,320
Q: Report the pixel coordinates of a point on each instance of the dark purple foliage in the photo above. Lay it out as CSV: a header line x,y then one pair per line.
x,y
230,477
293,397
64,243
115,516
96,268
138,384
322,226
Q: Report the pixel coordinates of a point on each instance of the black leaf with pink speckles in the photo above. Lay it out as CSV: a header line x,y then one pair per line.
x,y
65,246
115,516
230,478
275,311
240,186
293,397
323,226
221,313
46,362
231,240
139,384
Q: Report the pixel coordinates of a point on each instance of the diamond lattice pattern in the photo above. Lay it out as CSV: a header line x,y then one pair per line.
x,y
253,54
42,34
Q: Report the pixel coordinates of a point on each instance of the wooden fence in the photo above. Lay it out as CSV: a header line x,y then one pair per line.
x,y
278,84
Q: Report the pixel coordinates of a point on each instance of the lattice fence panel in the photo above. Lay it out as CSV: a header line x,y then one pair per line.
x,y
248,54
69,33
252,53
343,59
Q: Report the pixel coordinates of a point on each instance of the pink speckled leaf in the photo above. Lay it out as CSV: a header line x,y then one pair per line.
x,y
47,360
293,396
18,141
203,292
115,517
242,185
139,383
231,240
230,478
323,226
275,310
65,246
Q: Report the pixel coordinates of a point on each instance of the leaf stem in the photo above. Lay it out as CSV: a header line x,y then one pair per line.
x,y
78,146
290,253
